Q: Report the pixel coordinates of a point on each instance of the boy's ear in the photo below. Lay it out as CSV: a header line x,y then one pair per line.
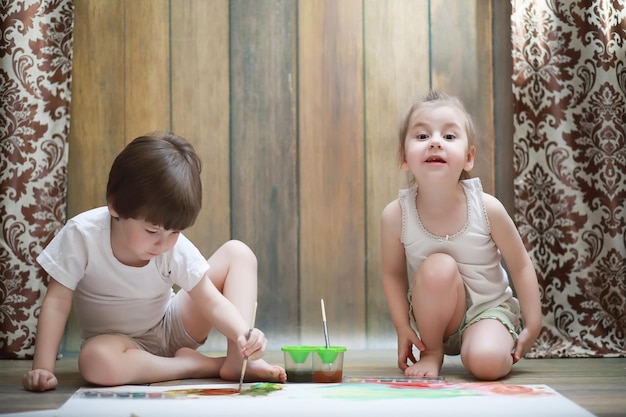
x,y
112,211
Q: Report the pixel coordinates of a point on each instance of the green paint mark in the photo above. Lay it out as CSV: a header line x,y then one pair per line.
x,y
363,392
261,389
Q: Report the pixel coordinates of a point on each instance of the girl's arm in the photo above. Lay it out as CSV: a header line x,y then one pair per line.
x,y
521,270
395,282
55,310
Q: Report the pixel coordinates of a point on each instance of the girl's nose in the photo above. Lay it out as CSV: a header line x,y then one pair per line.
x,y
434,143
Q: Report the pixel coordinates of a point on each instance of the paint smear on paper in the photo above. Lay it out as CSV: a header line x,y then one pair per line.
x,y
255,390
261,389
428,390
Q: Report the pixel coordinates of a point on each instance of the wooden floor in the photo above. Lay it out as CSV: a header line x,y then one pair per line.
x,y
598,385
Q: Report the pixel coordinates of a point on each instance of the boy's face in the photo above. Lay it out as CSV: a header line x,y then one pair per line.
x,y
134,241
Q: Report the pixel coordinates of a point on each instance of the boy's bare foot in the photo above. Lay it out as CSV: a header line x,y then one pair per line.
x,y
199,365
428,366
256,370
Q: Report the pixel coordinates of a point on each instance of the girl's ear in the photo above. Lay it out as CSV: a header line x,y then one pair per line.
x,y
469,161
404,166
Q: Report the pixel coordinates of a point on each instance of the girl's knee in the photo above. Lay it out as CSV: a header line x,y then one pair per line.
x,y
487,364
439,270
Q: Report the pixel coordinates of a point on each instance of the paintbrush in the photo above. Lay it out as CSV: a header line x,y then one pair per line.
x,y
245,358
325,325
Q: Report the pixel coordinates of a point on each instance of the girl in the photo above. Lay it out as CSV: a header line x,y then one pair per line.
x,y
443,240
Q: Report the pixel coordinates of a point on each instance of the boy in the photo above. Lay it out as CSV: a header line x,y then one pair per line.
x,y
118,264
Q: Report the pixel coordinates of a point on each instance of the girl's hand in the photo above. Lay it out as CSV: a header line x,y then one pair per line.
x,y
253,347
523,345
39,380
406,341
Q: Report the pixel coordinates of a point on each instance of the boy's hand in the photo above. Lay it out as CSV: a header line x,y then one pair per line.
x,y
253,347
39,380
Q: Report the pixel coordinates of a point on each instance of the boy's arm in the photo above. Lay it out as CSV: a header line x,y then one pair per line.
x,y
221,313
55,310
395,282
521,270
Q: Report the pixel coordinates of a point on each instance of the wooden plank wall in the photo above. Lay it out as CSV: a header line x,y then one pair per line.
x,y
294,108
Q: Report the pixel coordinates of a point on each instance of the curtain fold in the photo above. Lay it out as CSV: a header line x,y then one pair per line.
x,y
35,73
569,88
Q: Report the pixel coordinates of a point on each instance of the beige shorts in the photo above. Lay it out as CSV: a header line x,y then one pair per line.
x,y
508,313
168,335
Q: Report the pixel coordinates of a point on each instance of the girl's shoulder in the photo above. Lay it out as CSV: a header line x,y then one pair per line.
x,y
494,208
392,208
407,192
472,184
490,202
406,196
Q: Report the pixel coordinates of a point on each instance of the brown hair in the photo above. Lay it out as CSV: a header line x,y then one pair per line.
x,y
437,97
156,178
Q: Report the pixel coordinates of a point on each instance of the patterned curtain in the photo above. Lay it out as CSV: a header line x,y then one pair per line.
x,y
569,87
35,73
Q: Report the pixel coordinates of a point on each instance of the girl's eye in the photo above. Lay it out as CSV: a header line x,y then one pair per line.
x,y
421,136
151,232
449,136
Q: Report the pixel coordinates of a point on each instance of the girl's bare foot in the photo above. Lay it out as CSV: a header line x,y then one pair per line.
x,y
199,365
256,370
428,365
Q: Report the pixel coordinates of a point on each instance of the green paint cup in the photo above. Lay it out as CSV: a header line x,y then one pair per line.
x,y
305,363
329,355
299,363
328,364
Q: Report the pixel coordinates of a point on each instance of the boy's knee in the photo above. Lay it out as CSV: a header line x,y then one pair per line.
x,y
96,365
239,249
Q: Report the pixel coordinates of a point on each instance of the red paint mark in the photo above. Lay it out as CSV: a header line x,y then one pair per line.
x,y
201,392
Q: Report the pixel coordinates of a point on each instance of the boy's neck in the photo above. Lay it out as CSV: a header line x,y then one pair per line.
x,y
117,248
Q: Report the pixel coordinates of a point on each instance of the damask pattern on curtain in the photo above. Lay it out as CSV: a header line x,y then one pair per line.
x,y
569,88
35,73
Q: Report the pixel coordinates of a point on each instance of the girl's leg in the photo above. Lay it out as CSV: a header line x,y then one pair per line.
x,y
438,306
486,350
113,359
234,273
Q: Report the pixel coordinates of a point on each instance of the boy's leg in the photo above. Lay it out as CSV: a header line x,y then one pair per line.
x,y
114,359
234,273
486,349
438,306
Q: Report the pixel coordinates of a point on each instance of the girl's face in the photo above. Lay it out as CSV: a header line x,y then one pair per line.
x,y
436,145
134,242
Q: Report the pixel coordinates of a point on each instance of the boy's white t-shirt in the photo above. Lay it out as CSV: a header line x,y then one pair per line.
x,y
110,297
